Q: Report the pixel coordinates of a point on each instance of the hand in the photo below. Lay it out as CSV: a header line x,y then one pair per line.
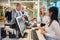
x,y
23,19
42,30
5,19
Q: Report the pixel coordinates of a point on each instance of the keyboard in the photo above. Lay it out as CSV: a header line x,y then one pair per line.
x,y
34,35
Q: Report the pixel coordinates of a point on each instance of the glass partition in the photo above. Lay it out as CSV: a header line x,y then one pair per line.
x,y
32,6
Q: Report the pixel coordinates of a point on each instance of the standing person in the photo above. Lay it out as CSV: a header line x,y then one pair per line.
x,y
44,17
52,32
8,14
46,20
19,11
42,13
16,12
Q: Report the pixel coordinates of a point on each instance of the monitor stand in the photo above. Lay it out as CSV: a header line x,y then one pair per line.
x,y
25,35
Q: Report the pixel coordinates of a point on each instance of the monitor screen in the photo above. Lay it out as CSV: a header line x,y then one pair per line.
x,y
21,25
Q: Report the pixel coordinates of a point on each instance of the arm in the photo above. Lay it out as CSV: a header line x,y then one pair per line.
x,y
46,20
56,29
6,15
13,16
26,13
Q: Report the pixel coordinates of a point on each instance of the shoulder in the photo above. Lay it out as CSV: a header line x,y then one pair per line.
x,y
46,17
55,22
55,26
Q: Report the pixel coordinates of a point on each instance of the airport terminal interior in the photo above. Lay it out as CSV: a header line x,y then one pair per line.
x,y
26,21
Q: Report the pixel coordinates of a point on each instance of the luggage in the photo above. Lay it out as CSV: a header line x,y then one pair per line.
x,y
3,33
12,35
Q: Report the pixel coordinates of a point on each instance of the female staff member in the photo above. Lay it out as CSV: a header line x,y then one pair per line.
x,y
53,30
42,13
44,17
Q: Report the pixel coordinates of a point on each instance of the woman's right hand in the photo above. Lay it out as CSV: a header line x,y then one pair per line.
x,y
42,30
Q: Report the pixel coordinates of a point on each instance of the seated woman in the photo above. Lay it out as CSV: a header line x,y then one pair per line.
x,y
33,22
52,32
25,19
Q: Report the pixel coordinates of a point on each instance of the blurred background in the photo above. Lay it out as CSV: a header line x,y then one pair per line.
x,y
32,6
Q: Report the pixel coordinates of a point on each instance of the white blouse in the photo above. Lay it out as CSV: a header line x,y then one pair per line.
x,y
53,30
46,19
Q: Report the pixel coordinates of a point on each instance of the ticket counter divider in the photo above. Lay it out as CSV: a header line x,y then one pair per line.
x,y
29,35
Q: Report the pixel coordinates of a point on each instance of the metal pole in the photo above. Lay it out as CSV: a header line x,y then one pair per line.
x,y
9,2
3,11
38,17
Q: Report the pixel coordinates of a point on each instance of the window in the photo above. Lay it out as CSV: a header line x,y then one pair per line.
x,y
58,5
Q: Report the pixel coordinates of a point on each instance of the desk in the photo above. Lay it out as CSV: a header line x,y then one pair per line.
x,y
40,36
28,36
2,26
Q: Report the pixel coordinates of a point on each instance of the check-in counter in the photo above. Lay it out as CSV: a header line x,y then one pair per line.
x,y
28,36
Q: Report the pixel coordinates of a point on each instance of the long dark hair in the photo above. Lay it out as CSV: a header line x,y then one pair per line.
x,y
54,15
26,18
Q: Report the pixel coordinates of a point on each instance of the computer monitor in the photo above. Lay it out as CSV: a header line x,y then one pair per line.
x,y
21,25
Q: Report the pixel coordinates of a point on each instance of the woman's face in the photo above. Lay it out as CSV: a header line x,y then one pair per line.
x,y
49,13
43,9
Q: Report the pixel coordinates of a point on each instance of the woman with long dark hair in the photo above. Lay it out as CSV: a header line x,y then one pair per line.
x,y
53,30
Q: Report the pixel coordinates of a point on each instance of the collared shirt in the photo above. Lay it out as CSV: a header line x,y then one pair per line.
x,y
17,13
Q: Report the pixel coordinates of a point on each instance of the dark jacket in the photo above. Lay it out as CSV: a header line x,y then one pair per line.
x,y
8,15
